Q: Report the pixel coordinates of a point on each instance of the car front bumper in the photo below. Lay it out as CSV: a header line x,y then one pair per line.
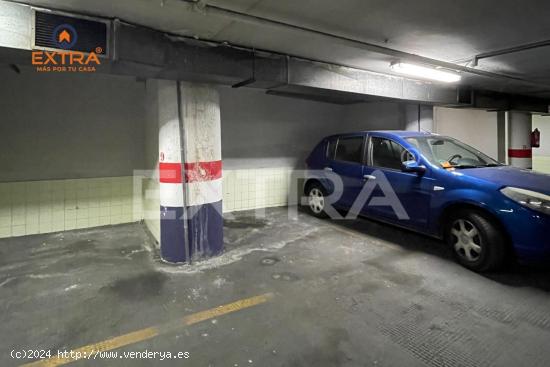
x,y
530,235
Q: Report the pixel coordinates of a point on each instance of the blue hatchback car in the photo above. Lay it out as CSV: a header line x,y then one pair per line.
x,y
438,186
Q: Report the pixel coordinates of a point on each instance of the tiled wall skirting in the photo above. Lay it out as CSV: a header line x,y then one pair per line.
x,y
245,189
50,206
151,206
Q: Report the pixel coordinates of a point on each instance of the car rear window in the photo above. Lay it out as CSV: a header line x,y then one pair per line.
x,y
331,148
349,149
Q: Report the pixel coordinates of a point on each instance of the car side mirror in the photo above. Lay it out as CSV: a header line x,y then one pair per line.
x,y
413,166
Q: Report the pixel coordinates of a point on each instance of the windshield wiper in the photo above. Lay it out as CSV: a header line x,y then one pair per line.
x,y
467,166
477,165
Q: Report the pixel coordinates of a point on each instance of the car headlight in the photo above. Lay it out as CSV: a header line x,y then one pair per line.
x,y
530,199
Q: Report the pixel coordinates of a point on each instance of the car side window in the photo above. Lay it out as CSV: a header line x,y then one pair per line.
x,y
349,149
331,148
388,154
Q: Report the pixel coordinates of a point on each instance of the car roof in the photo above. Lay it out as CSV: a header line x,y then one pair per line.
x,y
388,133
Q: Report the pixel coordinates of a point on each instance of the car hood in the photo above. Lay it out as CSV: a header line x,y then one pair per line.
x,y
511,176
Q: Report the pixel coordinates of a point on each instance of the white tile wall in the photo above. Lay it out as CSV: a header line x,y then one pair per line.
x,y
245,189
151,206
50,206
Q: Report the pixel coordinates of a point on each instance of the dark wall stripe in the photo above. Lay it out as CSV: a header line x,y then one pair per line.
x,y
205,228
172,234
204,232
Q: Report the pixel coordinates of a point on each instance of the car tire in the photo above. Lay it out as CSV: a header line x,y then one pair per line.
x,y
316,200
476,241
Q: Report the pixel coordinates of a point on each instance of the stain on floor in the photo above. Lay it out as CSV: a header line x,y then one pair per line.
x,y
346,293
245,223
138,287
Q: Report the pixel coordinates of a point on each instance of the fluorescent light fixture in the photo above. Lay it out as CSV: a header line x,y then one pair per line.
x,y
425,72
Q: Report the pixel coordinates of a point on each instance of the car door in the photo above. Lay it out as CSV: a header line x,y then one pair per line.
x,y
346,159
384,164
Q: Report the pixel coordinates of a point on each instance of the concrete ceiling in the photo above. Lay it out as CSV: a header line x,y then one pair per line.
x,y
445,30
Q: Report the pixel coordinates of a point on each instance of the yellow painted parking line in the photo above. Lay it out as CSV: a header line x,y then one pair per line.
x,y
151,332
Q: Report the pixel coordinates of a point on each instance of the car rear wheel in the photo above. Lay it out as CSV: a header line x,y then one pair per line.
x,y
316,200
476,241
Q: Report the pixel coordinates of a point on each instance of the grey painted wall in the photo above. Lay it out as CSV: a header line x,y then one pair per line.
x,y
419,117
260,130
543,124
151,126
477,128
373,116
56,126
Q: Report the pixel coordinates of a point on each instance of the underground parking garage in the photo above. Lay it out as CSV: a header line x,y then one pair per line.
x,y
274,183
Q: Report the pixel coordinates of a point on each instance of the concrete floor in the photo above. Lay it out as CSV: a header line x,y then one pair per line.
x,y
345,294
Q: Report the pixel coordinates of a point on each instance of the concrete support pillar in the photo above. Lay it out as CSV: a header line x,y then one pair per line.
x,y
501,136
519,139
419,118
189,171
203,168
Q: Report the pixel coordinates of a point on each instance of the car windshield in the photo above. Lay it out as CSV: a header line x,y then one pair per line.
x,y
451,153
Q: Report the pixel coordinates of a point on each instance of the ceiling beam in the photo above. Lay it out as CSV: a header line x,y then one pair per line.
x,y
147,53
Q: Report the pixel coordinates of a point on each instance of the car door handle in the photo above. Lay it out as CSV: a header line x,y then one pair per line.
x,y
328,169
369,177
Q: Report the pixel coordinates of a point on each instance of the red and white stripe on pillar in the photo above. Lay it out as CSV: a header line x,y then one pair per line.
x,y
196,176
519,146
203,182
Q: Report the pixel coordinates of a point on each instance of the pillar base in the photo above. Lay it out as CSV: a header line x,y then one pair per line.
x,y
205,230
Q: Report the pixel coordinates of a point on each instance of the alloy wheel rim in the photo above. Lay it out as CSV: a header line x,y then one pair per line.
x,y
316,201
466,240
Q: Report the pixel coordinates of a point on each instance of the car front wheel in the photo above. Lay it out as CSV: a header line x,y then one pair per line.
x,y
316,199
476,241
